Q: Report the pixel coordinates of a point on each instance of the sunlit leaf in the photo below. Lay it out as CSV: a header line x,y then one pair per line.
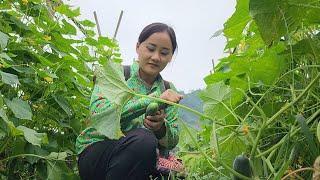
x,y
235,25
66,10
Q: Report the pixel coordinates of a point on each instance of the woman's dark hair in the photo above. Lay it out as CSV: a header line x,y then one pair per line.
x,y
158,27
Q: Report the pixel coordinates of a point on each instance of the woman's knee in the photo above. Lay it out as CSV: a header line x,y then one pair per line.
x,y
144,140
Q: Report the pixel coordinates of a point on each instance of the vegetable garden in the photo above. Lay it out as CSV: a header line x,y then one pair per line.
x,y
261,102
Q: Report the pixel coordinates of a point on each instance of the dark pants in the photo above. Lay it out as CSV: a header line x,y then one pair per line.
x,y
130,157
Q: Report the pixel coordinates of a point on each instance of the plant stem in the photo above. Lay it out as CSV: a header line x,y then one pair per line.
x,y
285,107
180,106
199,148
297,170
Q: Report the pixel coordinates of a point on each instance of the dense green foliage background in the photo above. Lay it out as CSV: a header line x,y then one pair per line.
x,y
262,100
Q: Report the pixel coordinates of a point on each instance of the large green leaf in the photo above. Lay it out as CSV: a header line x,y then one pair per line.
x,y
21,109
108,122
10,79
269,18
3,40
34,137
277,18
111,80
215,98
112,84
235,25
13,130
58,170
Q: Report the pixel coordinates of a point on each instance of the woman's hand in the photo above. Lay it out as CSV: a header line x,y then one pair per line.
x,y
156,122
171,95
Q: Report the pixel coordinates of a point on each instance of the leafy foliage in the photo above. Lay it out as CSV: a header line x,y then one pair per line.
x,y
266,92
45,86
262,101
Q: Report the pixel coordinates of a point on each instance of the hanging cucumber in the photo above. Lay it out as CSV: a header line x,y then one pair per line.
x,y
152,109
241,164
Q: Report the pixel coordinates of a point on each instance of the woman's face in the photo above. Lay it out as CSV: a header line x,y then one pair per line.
x,y
154,53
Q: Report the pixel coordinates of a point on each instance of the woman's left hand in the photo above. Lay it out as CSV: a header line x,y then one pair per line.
x,y
154,123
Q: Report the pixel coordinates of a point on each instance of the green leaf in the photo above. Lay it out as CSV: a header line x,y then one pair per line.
x,y
5,56
112,83
33,137
106,41
64,104
57,155
66,10
8,78
235,25
213,97
68,28
13,130
318,131
110,80
57,170
87,23
3,40
20,108
108,122
309,136
269,19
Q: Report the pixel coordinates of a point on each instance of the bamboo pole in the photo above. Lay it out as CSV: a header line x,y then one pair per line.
x,y
118,24
97,22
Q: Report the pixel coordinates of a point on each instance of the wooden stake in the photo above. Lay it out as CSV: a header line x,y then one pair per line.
x,y
97,22
118,24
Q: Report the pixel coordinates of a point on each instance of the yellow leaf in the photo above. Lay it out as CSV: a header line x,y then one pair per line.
x,y
25,2
48,79
47,38
245,129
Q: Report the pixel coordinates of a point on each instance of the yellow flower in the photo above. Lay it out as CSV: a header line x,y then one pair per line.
x,y
26,97
245,129
48,79
25,2
47,38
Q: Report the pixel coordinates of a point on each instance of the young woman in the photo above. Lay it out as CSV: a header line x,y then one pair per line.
x,y
136,156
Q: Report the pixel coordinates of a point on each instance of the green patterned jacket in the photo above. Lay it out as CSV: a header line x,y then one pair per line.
x,y
129,121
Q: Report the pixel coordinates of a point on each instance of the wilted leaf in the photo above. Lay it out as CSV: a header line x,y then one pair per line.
x,y
33,137
20,108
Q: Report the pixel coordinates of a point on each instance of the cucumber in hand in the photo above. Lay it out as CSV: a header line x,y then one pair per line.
x,y
152,109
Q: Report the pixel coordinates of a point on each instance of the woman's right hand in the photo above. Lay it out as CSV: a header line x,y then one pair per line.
x,y
171,95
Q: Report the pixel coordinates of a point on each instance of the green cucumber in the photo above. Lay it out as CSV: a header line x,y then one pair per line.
x,y
152,109
241,164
